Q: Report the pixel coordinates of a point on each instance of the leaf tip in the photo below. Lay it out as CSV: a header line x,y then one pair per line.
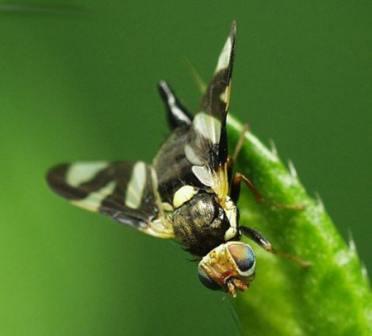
x,y
292,169
273,148
351,244
319,201
365,274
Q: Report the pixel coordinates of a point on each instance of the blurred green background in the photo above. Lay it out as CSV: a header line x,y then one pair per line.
x,y
77,82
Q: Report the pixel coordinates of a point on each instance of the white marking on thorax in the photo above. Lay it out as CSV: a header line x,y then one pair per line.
x,y
81,172
94,199
231,214
183,194
208,126
136,186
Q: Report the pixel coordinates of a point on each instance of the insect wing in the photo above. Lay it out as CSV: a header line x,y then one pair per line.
x,y
215,101
125,191
177,114
207,150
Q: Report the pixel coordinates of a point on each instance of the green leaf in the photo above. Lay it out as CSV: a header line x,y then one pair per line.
x,y
332,297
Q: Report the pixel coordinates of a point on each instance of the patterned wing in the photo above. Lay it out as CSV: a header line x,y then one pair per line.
x,y
177,114
125,191
207,148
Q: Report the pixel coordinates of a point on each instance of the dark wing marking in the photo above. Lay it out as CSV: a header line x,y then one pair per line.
x,y
216,98
177,114
196,153
207,149
125,191
172,167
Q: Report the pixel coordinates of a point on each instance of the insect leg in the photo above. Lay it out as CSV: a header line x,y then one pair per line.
x,y
257,237
232,159
177,114
240,142
238,178
260,240
235,187
235,191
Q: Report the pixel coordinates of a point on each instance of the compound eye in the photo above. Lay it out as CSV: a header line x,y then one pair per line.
x,y
206,280
243,255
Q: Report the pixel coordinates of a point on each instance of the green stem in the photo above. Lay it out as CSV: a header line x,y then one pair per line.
x,y
332,297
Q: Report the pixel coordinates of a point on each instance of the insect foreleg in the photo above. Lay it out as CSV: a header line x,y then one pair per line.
x,y
257,237
260,240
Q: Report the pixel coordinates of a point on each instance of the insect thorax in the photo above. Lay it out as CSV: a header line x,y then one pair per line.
x,y
200,224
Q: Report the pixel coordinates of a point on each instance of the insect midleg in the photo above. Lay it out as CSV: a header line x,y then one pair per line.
x,y
260,240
